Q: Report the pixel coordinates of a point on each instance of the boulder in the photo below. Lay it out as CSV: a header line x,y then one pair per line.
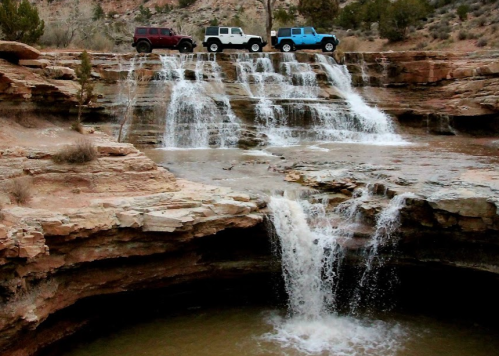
x,y
58,72
34,63
14,51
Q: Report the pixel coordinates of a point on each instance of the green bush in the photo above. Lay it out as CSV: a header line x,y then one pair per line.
x,y
20,21
398,16
185,3
351,16
462,11
98,12
320,13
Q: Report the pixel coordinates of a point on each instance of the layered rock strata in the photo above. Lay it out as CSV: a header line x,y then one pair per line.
x,y
116,224
436,92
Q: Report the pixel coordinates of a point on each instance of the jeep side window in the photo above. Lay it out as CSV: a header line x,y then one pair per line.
x,y
309,31
153,31
296,31
224,31
141,31
284,32
165,32
212,31
236,31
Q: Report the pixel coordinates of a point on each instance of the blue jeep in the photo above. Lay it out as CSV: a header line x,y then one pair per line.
x,y
292,38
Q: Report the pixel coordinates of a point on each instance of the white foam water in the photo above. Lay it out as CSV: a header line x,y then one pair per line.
x,y
336,335
199,114
312,253
371,123
127,96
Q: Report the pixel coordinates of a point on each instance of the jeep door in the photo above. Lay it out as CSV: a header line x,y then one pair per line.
x,y
296,36
224,35
154,37
237,36
166,37
309,36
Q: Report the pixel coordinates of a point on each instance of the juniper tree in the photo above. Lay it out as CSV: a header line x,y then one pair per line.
x,y
20,21
85,92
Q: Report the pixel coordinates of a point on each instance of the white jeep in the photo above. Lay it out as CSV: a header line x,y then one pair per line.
x,y
217,38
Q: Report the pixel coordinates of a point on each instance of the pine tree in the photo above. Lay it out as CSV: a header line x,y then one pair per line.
x,y
20,21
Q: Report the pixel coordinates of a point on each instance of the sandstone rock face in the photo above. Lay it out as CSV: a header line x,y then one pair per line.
x,y
79,217
437,92
17,51
420,87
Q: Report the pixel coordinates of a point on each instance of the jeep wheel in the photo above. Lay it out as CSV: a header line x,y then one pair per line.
x,y
214,47
328,46
287,47
144,47
185,47
255,47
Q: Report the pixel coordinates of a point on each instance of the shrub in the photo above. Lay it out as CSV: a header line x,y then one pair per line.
x,y
98,12
398,16
349,45
351,16
482,42
185,3
20,190
20,21
319,12
481,21
82,152
462,35
462,11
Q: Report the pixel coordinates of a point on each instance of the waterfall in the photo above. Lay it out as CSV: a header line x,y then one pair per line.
x,y
127,95
372,124
199,114
387,222
290,110
312,252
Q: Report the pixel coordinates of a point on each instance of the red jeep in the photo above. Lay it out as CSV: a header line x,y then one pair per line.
x,y
146,39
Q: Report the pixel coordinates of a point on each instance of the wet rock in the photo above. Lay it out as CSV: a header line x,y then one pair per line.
x,y
14,51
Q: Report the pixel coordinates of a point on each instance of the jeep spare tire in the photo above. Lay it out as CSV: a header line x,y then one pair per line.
x,y
185,47
143,47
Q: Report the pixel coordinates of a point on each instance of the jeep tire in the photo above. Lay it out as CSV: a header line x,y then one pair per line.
x,y
144,47
287,46
185,47
255,47
214,46
328,46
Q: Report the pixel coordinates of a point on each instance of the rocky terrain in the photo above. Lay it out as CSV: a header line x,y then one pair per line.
x,y
122,223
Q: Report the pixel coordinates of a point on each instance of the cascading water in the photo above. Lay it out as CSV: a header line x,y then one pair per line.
x,y
371,124
199,114
127,95
312,252
290,109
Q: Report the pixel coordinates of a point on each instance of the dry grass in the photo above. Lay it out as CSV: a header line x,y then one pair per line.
x,y
20,190
349,44
82,152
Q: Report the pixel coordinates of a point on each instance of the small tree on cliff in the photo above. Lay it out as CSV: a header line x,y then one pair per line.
x,y
20,21
85,92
